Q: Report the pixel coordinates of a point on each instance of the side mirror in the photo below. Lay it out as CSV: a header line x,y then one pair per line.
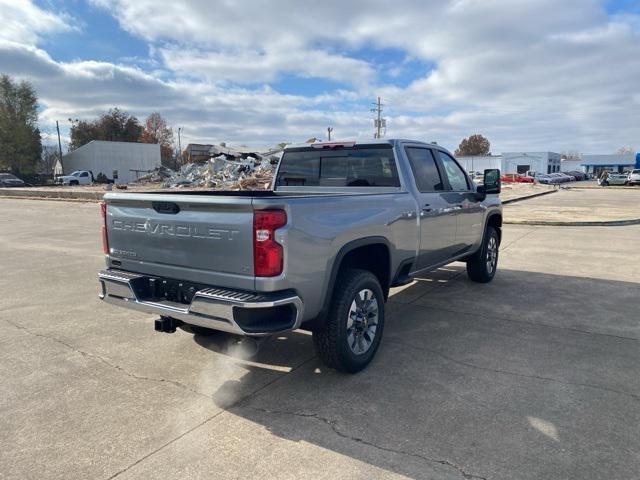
x,y
491,181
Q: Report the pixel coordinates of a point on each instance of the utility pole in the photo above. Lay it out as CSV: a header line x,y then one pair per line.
x,y
379,121
179,147
59,144
329,130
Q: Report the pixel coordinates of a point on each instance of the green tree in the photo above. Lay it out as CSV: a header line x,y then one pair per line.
x,y
474,145
116,125
20,145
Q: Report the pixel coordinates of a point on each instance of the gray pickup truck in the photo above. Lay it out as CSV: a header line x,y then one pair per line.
x,y
342,224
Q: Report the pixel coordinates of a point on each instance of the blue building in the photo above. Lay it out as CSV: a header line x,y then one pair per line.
x,y
619,163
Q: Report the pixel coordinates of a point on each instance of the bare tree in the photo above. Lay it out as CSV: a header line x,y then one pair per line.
x,y
626,150
570,155
157,131
48,161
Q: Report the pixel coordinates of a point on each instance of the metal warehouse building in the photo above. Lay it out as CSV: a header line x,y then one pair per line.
x,y
523,162
123,162
480,163
514,162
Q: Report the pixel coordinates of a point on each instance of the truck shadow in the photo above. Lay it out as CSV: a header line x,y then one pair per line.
x,y
471,381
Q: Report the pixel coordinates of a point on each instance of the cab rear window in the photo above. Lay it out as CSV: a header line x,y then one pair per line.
x,y
358,166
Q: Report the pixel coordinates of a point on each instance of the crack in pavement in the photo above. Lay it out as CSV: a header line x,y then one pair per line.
x,y
212,417
333,425
152,379
518,374
107,362
503,248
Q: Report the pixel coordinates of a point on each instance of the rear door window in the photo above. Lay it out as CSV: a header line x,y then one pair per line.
x,y
359,166
456,176
425,170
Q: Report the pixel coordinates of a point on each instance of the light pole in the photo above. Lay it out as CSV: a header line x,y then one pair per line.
x,y
59,145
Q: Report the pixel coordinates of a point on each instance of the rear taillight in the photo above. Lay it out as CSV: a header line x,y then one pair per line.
x,y
267,253
105,239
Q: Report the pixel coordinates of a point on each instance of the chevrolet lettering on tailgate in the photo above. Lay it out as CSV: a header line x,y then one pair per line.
x,y
174,230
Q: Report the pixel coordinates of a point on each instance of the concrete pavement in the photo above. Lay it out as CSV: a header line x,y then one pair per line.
x,y
531,376
574,205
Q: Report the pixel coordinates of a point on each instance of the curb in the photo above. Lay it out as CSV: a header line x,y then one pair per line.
x,y
539,194
55,195
610,187
595,223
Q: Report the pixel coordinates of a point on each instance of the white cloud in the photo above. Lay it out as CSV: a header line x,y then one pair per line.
x,y
531,74
265,66
23,22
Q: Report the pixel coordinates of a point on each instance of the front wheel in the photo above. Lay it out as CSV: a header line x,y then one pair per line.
x,y
481,267
350,337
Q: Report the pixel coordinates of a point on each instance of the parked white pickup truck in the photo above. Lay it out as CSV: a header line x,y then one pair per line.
x,y
79,177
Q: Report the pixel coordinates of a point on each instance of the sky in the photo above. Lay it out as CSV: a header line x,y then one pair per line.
x,y
528,74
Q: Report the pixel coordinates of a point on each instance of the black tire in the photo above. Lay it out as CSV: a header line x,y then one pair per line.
x,y
335,340
482,266
73,183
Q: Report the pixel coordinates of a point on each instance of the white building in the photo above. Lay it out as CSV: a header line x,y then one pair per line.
x,y
480,163
538,162
571,166
123,162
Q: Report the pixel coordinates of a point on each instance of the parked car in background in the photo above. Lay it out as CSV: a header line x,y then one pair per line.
x,y
520,178
577,175
560,177
543,178
614,179
79,177
10,180
634,177
516,178
478,177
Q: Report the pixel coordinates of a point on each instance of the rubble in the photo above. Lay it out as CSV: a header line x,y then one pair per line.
x,y
158,174
221,173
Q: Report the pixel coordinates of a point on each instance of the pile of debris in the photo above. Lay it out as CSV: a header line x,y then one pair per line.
x,y
158,174
218,173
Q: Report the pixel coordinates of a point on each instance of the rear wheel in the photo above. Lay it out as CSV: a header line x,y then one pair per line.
x,y
482,266
350,337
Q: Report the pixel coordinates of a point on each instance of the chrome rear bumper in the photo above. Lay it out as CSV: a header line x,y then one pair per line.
x,y
216,308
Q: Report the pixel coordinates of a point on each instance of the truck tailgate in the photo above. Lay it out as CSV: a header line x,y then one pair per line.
x,y
205,238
